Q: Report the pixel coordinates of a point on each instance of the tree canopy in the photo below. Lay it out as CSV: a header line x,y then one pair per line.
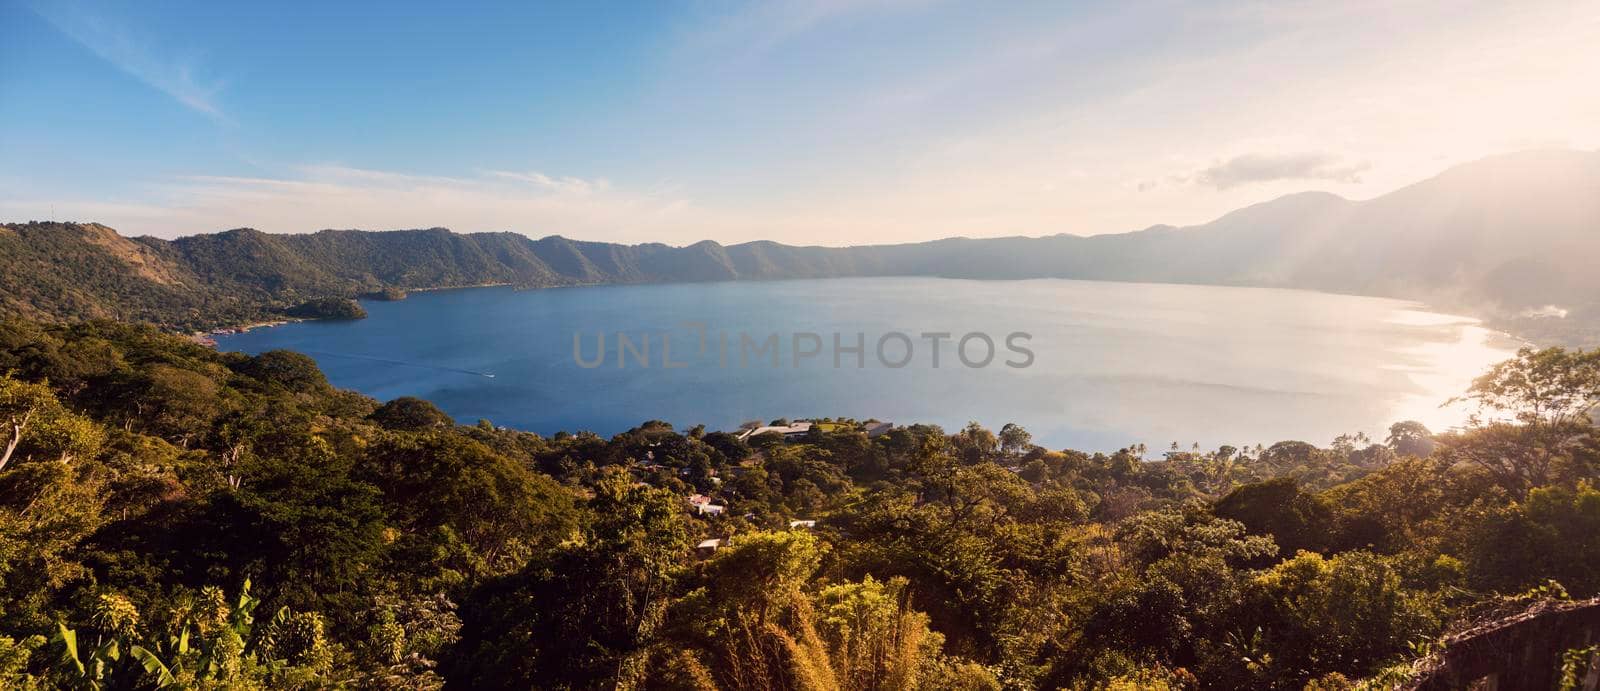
x,y
171,516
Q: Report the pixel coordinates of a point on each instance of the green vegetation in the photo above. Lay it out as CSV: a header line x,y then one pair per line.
x,y
175,517
328,308
63,271
387,295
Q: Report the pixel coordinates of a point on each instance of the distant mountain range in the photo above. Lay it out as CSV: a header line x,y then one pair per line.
x,y
1498,237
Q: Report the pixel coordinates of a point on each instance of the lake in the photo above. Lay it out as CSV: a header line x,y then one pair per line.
x,y
1106,364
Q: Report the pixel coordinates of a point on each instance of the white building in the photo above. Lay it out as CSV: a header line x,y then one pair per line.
x,y
798,429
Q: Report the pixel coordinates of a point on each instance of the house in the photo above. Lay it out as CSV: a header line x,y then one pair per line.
x,y
806,523
789,432
703,506
709,546
878,429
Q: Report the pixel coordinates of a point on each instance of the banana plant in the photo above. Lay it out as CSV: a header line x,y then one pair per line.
x,y
92,671
161,664
153,666
213,654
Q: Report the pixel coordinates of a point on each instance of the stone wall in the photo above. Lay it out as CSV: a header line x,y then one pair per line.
x,y
1523,651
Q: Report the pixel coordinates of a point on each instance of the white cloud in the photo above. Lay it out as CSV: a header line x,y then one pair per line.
x,y
556,184
1249,168
118,44
1396,88
333,196
343,197
758,27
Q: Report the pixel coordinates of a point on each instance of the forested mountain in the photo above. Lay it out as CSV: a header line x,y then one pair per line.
x,y
1496,237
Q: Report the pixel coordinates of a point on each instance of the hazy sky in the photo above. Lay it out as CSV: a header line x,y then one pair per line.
x,y
833,122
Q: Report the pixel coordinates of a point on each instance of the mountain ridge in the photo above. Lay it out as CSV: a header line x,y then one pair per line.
x,y
1497,237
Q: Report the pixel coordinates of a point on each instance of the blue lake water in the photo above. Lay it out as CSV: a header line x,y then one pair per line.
x,y
1112,363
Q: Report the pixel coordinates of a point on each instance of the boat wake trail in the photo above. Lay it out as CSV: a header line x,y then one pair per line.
x,y
401,363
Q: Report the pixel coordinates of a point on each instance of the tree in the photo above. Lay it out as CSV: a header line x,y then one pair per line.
x,y
1520,457
292,371
300,521
1553,394
1397,508
1348,614
1014,439
583,614
975,444
1549,535
1287,456
411,414
36,424
1410,438
757,571
765,440
498,508
729,445
48,510
1295,519
751,619
1188,529
174,403
1551,387
875,641
328,308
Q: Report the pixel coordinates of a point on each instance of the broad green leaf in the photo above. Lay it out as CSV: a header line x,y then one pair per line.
x,y
69,645
153,666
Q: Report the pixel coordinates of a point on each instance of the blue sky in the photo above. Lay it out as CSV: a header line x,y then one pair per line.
x,y
834,122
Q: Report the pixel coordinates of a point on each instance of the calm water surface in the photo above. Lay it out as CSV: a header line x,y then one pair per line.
x,y
1114,363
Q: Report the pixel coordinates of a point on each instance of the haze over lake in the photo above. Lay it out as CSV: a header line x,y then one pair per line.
x,y
1114,363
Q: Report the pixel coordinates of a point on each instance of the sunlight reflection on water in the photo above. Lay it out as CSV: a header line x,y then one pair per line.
x,y
1441,367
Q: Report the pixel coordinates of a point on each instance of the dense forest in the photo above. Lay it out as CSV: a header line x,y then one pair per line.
x,y
1511,239
172,516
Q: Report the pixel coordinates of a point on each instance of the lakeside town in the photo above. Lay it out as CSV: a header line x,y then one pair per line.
x,y
759,437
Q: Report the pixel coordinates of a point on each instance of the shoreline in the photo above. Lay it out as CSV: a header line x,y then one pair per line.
x,y
208,338
1503,328
438,288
